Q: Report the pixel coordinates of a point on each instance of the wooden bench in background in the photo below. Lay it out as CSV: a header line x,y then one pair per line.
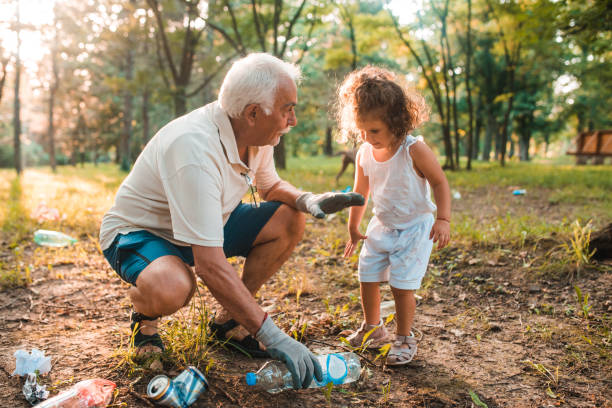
x,y
596,144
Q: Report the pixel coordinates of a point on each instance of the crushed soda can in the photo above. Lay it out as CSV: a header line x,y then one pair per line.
x,y
179,392
33,391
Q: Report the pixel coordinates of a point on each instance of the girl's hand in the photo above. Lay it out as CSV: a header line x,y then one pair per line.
x,y
440,233
352,243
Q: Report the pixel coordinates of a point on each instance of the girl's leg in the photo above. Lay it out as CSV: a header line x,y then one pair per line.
x,y
405,307
370,302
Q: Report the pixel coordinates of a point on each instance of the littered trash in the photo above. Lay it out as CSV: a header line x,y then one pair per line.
x,y
33,391
347,189
28,363
519,192
93,393
456,195
31,365
44,213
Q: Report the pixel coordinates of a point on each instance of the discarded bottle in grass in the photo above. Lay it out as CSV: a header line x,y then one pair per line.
x,y
180,392
519,192
338,368
92,393
52,238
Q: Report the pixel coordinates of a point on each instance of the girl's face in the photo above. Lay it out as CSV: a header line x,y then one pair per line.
x,y
376,132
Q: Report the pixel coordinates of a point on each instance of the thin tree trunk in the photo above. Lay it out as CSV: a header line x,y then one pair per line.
x,y
16,104
470,134
128,102
52,92
329,151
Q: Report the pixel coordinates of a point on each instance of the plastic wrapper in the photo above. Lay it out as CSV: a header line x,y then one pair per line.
x,y
33,391
28,363
93,393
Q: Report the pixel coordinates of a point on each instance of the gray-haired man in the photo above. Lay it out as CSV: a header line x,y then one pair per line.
x,y
180,206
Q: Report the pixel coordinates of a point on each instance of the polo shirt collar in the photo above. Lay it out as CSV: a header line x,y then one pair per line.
x,y
227,137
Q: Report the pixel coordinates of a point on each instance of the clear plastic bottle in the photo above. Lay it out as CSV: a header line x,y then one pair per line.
x,y
338,368
96,392
52,238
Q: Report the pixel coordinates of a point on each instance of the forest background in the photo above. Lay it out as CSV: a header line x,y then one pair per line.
x,y
93,81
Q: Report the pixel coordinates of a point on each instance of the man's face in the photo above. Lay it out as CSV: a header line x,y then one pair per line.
x,y
282,119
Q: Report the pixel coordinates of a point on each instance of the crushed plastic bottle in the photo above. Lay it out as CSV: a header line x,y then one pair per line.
x,y
52,238
520,191
93,393
338,368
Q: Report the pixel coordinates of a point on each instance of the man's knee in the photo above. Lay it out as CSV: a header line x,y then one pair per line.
x,y
166,286
292,221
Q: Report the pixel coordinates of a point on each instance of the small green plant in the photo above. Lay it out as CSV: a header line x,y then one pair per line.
x,y
476,400
298,334
386,391
16,275
186,336
583,302
552,378
578,247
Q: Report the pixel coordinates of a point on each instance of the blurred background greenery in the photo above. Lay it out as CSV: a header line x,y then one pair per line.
x,y
92,81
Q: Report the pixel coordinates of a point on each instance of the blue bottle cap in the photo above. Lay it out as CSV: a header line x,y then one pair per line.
x,y
251,378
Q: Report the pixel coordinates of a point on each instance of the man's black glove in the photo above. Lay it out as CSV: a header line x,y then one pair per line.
x,y
327,203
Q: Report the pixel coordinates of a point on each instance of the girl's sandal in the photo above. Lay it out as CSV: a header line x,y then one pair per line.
x,y
399,353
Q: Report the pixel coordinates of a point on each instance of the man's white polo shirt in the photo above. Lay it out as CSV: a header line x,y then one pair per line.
x,y
187,181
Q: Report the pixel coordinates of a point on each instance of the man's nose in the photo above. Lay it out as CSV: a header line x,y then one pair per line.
x,y
292,120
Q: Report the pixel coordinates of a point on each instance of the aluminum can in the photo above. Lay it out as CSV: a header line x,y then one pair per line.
x,y
164,392
190,383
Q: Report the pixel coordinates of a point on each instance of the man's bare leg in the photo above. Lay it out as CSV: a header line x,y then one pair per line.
x,y
272,247
162,288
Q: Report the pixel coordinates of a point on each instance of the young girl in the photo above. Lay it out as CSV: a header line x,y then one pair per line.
x,y
398,169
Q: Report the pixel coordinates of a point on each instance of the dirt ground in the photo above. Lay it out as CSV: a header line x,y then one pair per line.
x,y
488,321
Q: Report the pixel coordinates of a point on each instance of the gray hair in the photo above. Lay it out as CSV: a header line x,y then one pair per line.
x,y
254,79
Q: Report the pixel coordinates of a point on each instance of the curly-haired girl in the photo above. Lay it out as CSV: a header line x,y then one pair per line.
x,y
399,170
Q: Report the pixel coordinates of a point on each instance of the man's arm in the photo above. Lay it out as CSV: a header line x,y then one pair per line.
x,y
282,191
225,285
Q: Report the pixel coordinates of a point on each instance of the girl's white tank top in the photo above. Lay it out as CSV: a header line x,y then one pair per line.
x,y
399,194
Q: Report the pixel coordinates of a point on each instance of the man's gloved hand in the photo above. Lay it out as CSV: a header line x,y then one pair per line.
x,y
299,360
327,203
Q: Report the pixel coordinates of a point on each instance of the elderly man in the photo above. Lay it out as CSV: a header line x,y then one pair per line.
x,y
180,206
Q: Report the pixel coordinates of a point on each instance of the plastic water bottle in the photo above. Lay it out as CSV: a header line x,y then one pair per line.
x,y
338,368
52,238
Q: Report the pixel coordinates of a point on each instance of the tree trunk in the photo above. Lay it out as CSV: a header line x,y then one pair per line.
x,y
468,58
128,99
328,150
279,154
477,132
601,242
52,92
490,132
16,104
180,102
146,126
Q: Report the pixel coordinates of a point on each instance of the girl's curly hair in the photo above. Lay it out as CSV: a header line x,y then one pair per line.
x,y
377,91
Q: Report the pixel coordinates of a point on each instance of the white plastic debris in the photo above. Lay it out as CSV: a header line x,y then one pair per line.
x,y
33,391
28,363
32,365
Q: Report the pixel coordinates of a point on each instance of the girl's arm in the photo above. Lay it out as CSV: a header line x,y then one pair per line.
x,y
425,163
362,186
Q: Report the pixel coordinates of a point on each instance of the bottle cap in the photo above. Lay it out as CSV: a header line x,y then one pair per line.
x,y
251,378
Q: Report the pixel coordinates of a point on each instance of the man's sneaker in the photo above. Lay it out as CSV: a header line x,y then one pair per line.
x,y
370,335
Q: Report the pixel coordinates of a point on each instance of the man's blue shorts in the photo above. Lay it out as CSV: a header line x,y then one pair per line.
x,y
130,253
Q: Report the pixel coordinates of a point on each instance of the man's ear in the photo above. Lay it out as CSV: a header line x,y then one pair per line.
x,y
250,112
